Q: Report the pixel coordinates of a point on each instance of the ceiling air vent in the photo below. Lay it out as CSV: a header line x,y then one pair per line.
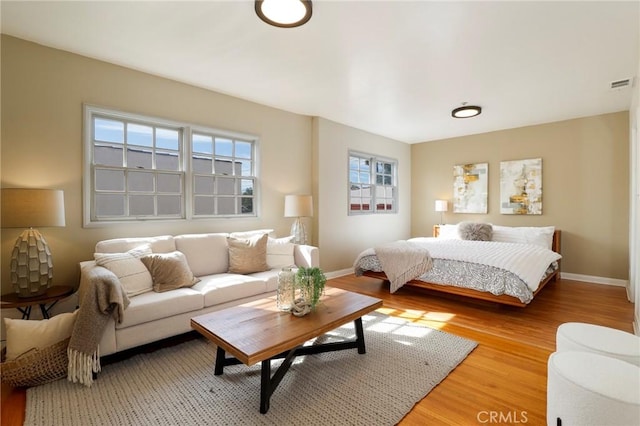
x,y
620,83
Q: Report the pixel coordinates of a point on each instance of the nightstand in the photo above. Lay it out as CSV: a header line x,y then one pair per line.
x,y
24,304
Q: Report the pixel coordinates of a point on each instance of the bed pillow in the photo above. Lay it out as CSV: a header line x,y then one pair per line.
x,y
131,272
280,252
24,335
538,235
248,255
475,231
448,232
169,271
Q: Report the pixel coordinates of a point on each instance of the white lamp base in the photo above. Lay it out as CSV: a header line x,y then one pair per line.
x,y
299,232
31,264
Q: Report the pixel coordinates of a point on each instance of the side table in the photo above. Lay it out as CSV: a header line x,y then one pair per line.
x,y
24,304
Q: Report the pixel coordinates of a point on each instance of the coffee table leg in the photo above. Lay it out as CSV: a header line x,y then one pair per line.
x,y
265,386
220,361
360,336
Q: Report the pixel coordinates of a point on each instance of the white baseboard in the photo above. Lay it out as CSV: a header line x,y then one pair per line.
x,y
595,280
636,327
340,273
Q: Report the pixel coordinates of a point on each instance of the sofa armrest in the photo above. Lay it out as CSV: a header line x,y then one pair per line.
x,y
307,256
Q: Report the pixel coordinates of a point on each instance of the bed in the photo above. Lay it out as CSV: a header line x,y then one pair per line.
x,y
478,269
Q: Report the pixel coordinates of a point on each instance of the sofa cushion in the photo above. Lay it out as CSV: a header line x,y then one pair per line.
x,y
247,255
221,288
206,253
133,275
161,244
169,271
270,278
249,234
152,306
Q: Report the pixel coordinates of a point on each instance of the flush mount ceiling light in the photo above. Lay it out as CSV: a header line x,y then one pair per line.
x,y
284,13
466,111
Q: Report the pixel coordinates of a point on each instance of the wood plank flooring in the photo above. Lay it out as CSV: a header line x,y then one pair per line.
x,y
504,378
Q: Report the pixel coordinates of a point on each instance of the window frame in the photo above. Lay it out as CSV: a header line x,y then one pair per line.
x,y
185,167
373,161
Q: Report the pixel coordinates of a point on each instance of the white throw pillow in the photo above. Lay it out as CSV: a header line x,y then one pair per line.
x,y
25,335
131,272
449,232
280,252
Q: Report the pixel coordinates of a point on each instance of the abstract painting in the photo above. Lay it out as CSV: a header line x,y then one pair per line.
x,y
470,188
521,186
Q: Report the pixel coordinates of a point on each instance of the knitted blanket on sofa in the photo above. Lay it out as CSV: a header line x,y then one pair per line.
x,y
103,299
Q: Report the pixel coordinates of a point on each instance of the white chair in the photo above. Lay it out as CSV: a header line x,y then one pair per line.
x,y
577,336
585,388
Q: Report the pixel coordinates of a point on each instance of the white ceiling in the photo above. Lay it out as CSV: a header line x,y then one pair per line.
x,y
394,68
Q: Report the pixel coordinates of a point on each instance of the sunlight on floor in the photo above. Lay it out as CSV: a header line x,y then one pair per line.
x,y
435,320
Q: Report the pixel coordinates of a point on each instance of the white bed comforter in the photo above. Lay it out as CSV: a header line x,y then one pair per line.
x,y
527,261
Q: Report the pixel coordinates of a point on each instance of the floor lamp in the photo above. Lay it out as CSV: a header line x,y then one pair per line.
x,y
31,261
298,206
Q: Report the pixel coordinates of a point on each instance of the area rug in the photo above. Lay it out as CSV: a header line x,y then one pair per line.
x,y
176,385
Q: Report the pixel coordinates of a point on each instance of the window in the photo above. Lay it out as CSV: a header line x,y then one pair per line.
x,y
372,183
223,178
143,168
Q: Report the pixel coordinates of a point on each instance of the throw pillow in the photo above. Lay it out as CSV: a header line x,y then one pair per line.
x,y
25,335
449,232
475,231
169,271
133,275
248,255
280,252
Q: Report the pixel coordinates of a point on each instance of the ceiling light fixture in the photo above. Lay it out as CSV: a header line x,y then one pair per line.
x,y
284,13
466,111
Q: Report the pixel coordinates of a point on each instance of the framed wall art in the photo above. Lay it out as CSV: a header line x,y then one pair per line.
x,y
521,186
470,182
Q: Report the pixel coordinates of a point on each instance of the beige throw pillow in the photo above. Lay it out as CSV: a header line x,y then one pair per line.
x,y
248,255
131,272
169,271
25,335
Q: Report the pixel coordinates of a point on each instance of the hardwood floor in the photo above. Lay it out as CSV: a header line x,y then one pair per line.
x,y
504,378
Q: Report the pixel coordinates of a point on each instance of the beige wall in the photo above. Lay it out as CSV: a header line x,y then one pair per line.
x,y
342,237
43,91
585,165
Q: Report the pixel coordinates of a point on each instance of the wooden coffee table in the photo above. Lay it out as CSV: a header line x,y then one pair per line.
x,y
258,332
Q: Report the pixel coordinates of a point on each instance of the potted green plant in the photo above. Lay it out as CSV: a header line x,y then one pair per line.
x,y
310,283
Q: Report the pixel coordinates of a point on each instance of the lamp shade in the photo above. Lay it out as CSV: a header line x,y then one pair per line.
x,y
26,207
298,206
442,205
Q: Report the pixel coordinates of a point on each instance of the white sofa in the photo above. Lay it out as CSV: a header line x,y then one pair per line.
x,y
152,316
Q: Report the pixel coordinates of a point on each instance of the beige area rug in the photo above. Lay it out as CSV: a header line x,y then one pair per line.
x,y
176,385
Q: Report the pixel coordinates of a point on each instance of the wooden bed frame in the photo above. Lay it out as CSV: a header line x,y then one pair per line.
x,y
502,299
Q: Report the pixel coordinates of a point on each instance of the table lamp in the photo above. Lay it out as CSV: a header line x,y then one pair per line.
x,y
31,261
442,206
298,206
